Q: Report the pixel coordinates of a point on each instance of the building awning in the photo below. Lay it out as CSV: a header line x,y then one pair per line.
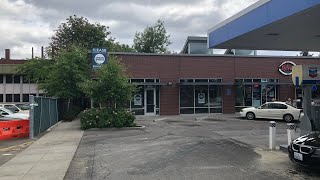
x,y
149,83
270,25
206,83
263,83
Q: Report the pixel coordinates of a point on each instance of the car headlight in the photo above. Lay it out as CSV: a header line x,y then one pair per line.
x,y
241,110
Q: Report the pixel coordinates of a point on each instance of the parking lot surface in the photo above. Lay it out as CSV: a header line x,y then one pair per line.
x,y
185,147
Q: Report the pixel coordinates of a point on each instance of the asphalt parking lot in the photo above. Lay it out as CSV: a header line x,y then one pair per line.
x,y
182,148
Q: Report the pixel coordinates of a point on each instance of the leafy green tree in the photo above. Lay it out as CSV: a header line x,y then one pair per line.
x,y
67,73
36,70
79,31
111,85
153,39
60,77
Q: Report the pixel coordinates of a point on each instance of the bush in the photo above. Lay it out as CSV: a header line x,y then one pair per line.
x,y
106,118
69,116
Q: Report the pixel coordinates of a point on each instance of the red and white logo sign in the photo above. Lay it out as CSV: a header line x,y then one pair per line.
x,y
286,68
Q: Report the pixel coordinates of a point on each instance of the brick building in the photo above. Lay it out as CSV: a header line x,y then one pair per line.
x,y
191,84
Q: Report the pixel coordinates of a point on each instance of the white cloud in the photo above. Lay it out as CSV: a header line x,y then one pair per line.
x,y
30,23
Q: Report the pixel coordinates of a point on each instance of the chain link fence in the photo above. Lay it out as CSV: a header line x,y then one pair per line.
x,y
44,114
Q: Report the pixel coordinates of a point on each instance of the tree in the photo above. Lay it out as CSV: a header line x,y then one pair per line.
x,y
60,77
80,32
153,39
111,85
67,73
36,70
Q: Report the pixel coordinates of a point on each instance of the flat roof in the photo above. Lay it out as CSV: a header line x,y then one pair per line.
x,y
270,25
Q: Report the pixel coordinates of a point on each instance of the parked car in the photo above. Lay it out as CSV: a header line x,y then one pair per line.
x,y
305,150
15,108
23,106
6,113
272,110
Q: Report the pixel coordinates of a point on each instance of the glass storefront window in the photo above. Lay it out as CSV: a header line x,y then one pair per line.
x,y
248,95
254,92
138,104
215,99
186,96
201,96
197,99
239,95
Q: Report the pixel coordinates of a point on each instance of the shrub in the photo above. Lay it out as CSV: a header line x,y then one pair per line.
x,y
69,116
106,118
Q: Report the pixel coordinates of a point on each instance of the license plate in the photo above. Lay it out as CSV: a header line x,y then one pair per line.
x,y
298,156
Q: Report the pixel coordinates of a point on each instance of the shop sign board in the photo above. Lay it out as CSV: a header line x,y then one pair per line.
x,y
285,68
99,57
201,98
306,75
137,100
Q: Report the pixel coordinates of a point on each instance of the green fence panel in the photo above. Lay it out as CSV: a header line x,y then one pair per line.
x,y
44,114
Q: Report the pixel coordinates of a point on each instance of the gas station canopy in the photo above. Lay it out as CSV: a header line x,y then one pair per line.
x,y
271,25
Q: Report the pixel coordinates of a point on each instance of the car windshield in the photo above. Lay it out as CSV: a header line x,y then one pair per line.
x,y
23,106
6,110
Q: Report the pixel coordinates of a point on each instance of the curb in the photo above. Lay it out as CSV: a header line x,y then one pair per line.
x,y
124,128
284,148
201,118
50,128
160,119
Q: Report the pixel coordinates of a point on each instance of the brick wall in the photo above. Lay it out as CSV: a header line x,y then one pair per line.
x,y
171,68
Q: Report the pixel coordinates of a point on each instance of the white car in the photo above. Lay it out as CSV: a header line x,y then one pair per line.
x,y
14,108
9,114
272,110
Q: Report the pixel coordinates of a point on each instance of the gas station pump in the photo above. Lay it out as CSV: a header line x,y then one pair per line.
x,y
308,77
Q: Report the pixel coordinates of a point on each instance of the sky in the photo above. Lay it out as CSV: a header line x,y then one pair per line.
x,y
30,23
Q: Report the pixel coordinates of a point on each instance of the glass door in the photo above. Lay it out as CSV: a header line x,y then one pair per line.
x,y
150,102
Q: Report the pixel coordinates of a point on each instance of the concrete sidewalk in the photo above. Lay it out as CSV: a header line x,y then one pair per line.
x,y
48,158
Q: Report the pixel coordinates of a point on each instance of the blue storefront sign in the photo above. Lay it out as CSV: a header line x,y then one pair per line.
x,y
99,57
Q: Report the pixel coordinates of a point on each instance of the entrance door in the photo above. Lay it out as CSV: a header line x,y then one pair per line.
x,y
150,102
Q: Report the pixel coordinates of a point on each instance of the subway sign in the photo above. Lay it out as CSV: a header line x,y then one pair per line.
x,y
285,68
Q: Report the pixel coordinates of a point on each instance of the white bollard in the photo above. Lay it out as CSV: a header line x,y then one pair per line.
x,y
290,131
272,135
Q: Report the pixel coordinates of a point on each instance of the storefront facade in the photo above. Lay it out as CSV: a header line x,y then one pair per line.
x,y
201,84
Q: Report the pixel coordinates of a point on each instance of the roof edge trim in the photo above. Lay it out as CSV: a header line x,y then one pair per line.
x,y
239,14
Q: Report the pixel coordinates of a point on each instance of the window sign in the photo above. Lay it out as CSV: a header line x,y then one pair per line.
x,y
137,100
201,98
99,57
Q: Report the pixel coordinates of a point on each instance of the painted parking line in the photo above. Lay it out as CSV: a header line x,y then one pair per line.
x,y
17,147
201,118
160,119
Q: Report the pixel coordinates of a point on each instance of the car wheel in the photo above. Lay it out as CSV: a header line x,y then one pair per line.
x,y
250,115
288,117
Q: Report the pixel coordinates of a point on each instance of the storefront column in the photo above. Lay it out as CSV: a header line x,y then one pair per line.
x,y
169,100
228,100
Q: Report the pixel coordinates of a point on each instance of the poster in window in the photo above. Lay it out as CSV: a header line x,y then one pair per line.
x,y
137,100
201,98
